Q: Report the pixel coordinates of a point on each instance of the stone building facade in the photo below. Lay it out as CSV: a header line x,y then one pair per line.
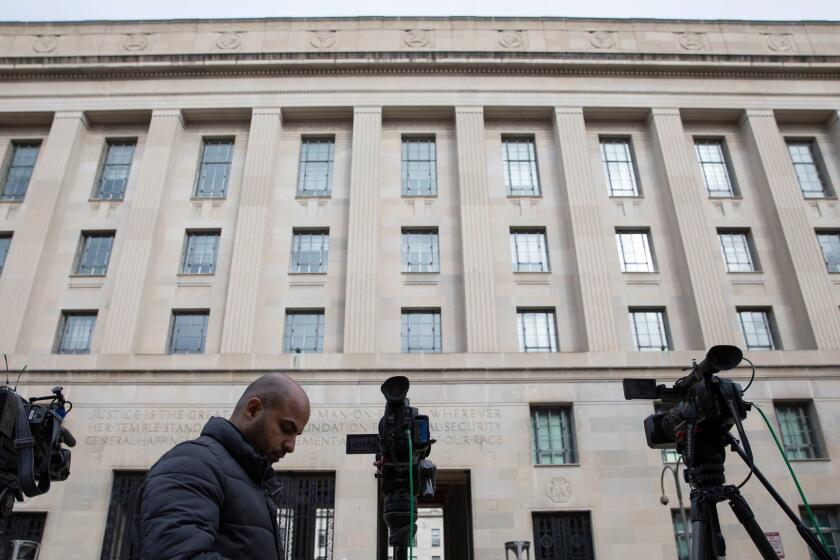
x,y
188,203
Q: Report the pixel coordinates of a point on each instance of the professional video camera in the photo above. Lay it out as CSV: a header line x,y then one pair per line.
x,y
401,447
31,438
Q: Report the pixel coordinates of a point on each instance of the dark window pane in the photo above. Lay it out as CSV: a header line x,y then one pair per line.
x,y
19,171
552,437
5,244
115,169
563,536
216,157
22,534
189,332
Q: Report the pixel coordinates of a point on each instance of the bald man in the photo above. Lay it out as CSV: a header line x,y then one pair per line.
x,y
209,498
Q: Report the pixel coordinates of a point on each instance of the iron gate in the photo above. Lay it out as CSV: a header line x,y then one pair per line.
x,y
124,493
26,526
307,514
563,536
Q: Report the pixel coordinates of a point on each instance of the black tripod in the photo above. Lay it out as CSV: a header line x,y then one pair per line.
x,y
705,474
398,509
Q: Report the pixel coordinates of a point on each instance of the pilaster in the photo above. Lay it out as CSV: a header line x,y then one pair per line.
x,y
363,233
479,285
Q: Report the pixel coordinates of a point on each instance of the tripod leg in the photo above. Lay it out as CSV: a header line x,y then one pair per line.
x,y
745,516
700,545
401,553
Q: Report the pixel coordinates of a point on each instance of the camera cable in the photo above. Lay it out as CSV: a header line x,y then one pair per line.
x,y
411,493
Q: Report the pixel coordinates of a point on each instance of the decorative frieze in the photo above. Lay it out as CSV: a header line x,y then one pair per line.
x,y
228,41
135,42
323,39
691,40
512,39
418,38
603,40
45,43
780,42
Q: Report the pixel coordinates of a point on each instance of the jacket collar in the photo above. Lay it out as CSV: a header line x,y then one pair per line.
x,y
239,448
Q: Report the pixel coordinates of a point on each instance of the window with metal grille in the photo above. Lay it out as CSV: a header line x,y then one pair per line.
x,y
419,166
125,491
552,435
682,533
216,157
5,244
619,169
421,331
714,165
304,331
75,331
94,253
563,536
19,170
757,329
536,329
798,425
306,503
736,246
634,250
828,525
669,455
310,250
528,250
519,157
189,332
200,252
829,244
650,329
21,534
808,167
113,177
435,537
316,166
420,251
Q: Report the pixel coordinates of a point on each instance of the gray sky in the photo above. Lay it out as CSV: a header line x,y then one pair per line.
x,y
52,10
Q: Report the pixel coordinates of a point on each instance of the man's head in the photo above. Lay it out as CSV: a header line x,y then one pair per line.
x,y
271,413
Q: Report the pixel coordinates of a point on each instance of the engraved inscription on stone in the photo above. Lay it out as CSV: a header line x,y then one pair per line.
x,y
322,39
228,41
780,42
417,38
145,427
692,41
136,42
45,43
559,490
603,39
511,39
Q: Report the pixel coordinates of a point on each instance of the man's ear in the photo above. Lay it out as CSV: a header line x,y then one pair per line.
x,y
253,407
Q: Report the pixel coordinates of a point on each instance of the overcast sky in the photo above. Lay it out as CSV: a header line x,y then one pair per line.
x,y
52,10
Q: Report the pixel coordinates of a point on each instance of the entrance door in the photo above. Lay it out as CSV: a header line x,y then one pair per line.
x,y
444,522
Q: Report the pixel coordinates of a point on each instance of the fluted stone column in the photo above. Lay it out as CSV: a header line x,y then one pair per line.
x,y
363,233
697,237
769,148
251,223
479,284
55,168
834,129
576,169
138,235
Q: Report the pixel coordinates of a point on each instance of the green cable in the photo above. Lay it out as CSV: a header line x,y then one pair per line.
x,y
411,492
795,480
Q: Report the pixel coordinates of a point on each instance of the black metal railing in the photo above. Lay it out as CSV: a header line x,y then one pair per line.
x,y
563,536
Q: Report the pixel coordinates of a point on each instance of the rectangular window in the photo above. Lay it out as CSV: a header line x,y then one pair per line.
x,y
19,170
189,332
682,532
421,331
304,331
536,328
552,435
757,329
24,530
828,525
113,177
94,253
75,331
797,423
830,246
419,166
563,536
808,168
715,167
649,329
619,169
435,537
5,244
736,246
216,157
420,251
528,250
316,166
669,454
520,166
125,491
200,252
310,249
634,250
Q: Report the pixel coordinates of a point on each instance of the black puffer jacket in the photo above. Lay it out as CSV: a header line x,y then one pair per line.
x,y
209,499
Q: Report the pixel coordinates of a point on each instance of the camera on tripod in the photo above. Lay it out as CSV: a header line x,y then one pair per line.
x,y
401,448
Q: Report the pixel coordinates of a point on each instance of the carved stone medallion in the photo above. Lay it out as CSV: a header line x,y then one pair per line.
x,y
322,39
603,39
228,41
559,490
417,38
692,41
136,42
511,39
45,43
779,42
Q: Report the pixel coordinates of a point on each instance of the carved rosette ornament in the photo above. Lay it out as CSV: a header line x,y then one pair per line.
x,y
135,42
603,40
323,39
417,38
228,41
779,42
511,39
692,41
559,490
45,43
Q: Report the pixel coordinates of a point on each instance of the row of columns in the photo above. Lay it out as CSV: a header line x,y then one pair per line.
x,y
60,153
